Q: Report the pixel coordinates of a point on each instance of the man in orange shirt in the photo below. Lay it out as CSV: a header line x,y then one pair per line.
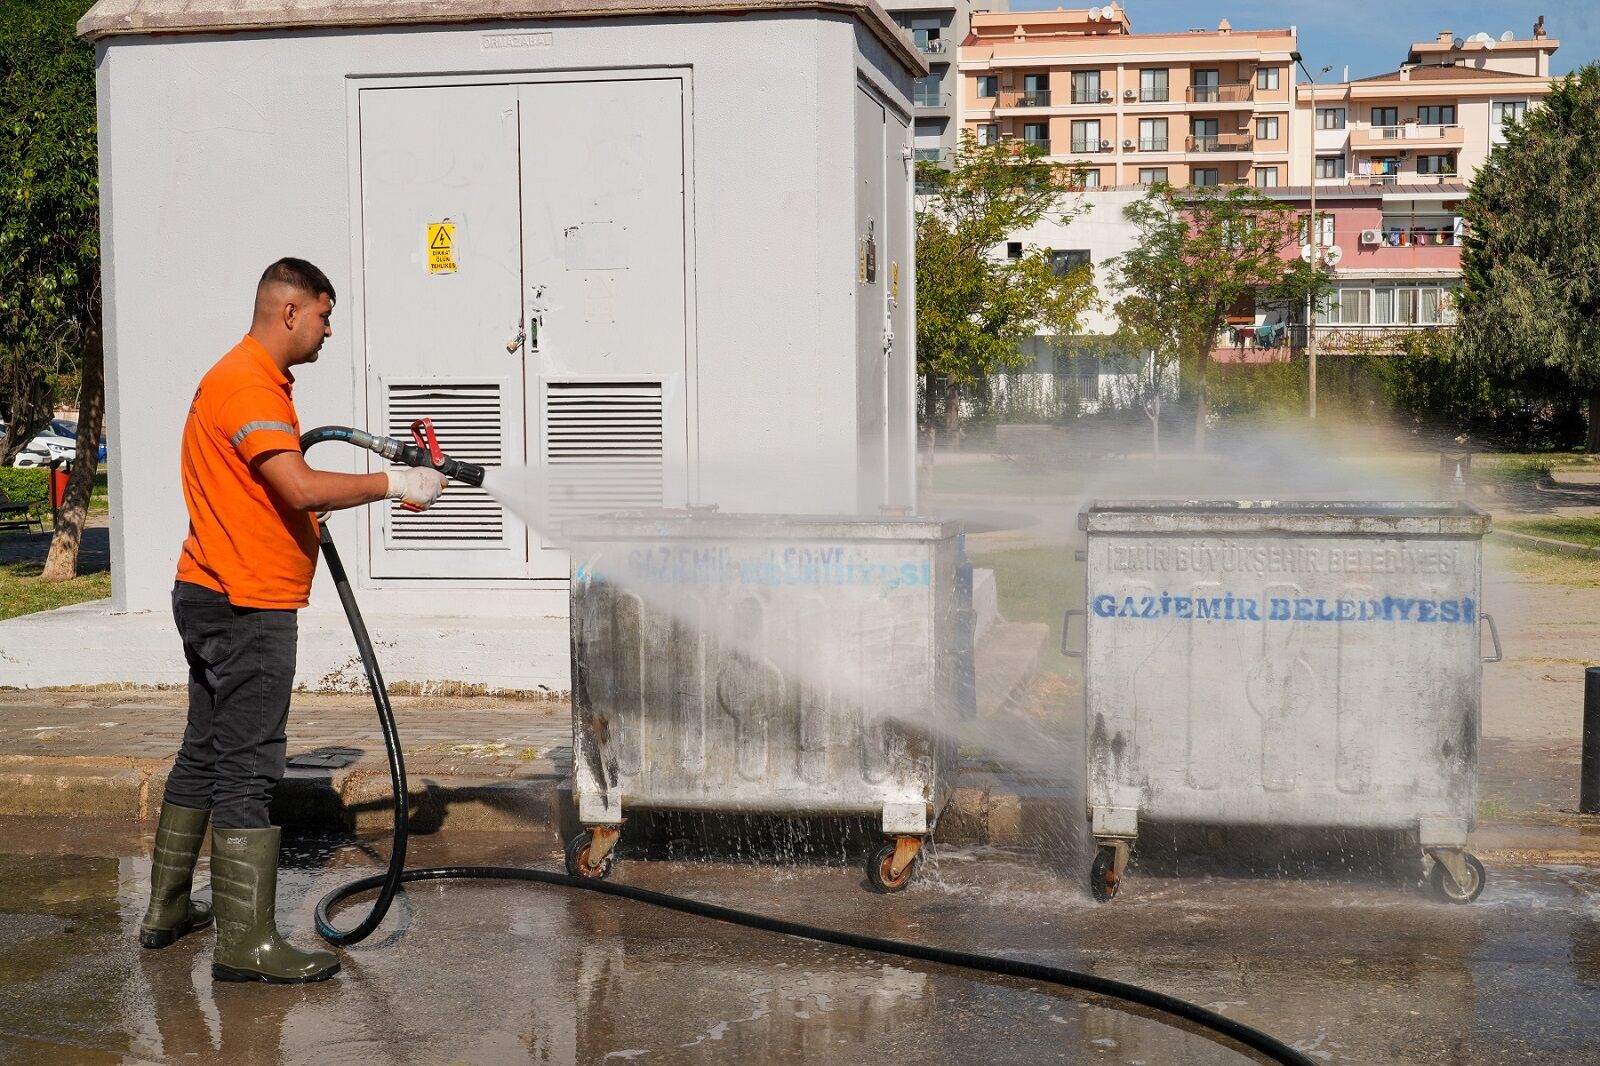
x,y
245,570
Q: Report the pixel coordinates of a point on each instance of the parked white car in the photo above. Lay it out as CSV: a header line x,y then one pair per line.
x,y
45,447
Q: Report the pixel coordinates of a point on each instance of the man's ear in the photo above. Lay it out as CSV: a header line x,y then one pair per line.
x,y
290,314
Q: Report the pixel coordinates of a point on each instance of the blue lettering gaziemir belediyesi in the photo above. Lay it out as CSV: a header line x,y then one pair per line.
x,y
777,566
1231,608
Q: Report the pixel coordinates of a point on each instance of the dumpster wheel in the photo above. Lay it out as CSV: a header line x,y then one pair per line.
x,y
1446,887
578,864
1103,879
881,863
1229,1031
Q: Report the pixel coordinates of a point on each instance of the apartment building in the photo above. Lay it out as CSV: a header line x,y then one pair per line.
x,y
1205,107
937,28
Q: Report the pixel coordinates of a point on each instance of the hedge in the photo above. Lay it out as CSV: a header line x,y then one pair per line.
x,y
30,486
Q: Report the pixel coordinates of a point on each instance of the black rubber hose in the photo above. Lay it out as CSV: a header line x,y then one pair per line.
x,y
389,882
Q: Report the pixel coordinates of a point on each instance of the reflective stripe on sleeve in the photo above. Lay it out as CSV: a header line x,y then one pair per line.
x,y
250,427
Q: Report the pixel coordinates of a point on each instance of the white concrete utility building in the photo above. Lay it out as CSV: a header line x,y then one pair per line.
x,y
676,234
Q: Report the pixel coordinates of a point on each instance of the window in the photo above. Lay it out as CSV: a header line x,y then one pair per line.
x,y
1324,230
1152,135
1086,86
988,133
1206,176
1152,175
1266,177
927,39
1204,87
1437,114
1013,249
1203,131
928,91
1153,86
1035,90
1091,178
1354,307
1267,129
1065,262
1330,166
1388,305
1267,78
1386,116
1037,133
1086,135
988,86
1330,118
1436,164
1505,112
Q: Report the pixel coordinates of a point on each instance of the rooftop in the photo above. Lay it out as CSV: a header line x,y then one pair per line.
x,y
1434,72
121,17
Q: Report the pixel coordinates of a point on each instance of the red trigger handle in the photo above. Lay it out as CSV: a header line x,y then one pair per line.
x,y
422,433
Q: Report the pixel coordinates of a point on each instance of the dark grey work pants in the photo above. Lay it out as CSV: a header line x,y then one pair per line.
x,y
241,670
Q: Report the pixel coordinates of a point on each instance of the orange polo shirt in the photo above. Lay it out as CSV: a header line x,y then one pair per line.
x,y
244,542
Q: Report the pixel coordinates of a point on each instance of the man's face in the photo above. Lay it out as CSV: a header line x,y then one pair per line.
x,y
310,323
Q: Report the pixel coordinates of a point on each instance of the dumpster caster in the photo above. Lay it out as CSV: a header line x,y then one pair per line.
x,y
582,848
891,867
1461,886
1105,874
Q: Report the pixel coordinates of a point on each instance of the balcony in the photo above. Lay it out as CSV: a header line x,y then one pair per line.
x,y
928,155
1153,96
1041,143
933,47
1396,178
1090,96
1023,98
1088,145
1220,142
1409,133
1153,144
1238,92
922,99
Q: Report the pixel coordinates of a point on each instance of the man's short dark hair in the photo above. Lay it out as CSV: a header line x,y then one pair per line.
x,y
298,274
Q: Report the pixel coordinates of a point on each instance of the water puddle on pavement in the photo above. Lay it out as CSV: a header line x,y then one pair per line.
x,y
1354,969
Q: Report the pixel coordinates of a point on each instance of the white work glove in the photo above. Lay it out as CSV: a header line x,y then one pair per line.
x,y
415,486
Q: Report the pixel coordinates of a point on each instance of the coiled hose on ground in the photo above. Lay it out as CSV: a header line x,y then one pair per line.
x,y
389,882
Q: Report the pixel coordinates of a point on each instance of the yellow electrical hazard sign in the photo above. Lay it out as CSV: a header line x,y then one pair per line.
x,y
442,248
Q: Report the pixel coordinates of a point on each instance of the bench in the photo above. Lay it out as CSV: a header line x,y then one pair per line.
x,y
17,515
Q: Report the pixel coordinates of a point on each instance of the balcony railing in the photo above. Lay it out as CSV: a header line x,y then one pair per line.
x,y
1086,96
1220,142
927,155
1231,93
1153,96
1024,98
1089,144
1041,143
1415,131
1152,144
933,47
922,99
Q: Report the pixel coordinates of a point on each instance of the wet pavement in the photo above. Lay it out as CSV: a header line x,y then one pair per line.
x,y
1355,967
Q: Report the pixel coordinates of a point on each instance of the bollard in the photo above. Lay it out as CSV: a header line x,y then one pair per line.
x,y
1589,774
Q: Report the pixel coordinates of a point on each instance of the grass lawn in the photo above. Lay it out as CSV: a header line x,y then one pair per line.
x,y
1541,566
1038,585
21,591
1585,531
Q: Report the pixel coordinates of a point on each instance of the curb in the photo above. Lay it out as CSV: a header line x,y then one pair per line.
x,y
1543,544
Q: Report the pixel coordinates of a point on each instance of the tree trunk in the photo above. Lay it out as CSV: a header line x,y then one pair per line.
x,y
952,411
1200,408
62,563
1593,444
31,409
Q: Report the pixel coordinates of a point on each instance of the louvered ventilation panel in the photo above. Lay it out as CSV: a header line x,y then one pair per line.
x,y
467,421
603,447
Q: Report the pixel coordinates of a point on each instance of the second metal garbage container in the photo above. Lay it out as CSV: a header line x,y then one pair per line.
x,y
1285,665
779,665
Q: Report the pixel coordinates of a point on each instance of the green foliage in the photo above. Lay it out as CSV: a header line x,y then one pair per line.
x,y
1530,294
27,486
973,306
49,206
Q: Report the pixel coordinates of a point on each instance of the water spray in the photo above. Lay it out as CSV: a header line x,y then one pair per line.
x,y
425,452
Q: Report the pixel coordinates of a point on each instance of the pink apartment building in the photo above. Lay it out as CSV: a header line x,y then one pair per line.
x,y
1205,107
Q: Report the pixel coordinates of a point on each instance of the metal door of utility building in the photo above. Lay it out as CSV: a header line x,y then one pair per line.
x,y
525,286
883,320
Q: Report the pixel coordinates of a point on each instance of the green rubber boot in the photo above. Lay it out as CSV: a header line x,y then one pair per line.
x,y
244,886
172,913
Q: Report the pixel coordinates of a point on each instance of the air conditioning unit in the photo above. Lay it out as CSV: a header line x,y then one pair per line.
x,y
1105,144
1128,94
1105,94
1127,142
1371,236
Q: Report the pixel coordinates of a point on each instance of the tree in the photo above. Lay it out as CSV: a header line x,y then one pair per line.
x,y
974,304
1200,253
50,244
1530,293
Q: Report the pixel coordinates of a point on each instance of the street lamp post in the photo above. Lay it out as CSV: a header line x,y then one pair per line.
x,y
1314,239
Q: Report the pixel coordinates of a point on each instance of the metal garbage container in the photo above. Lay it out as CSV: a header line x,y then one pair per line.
x,y
1285,665
778,665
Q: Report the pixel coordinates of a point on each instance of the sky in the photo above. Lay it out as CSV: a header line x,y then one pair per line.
x,y
1370,36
